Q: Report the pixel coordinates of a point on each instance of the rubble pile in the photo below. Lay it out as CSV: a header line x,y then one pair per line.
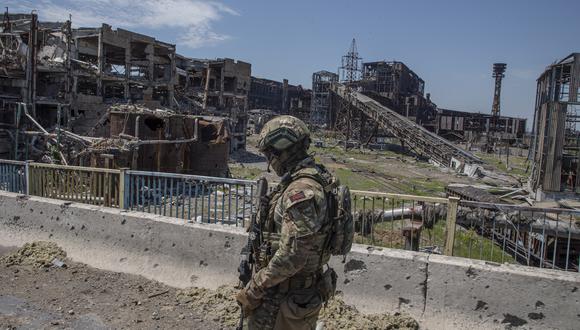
x,y
37,254
338,315
222,307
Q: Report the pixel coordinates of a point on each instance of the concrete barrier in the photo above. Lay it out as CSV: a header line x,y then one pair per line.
x,y
440,292
160,248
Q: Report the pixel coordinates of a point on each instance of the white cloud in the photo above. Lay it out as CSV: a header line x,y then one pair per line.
x,y
191,20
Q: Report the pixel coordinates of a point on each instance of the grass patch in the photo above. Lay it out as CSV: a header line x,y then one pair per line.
x,y
468,244
423,187
354,153
246,173
357,181
517,164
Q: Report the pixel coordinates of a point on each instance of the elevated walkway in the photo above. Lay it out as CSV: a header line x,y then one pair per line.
x,y
417,138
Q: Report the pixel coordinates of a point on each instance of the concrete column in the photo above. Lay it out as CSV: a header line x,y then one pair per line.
x,y
127,93
172,81
100,60
206,89
148,93
222,87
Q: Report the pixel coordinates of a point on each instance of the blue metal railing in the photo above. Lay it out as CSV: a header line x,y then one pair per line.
x,y
193,198
13,176
541,237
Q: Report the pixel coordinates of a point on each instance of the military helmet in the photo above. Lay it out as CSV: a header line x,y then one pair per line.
x,y
282,132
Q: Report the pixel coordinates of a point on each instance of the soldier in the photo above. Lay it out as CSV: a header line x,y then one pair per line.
x,y
284,292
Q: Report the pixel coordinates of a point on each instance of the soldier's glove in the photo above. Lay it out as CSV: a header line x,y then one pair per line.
x,y
248,302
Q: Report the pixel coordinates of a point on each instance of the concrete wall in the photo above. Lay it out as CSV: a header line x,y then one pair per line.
x,y
441,292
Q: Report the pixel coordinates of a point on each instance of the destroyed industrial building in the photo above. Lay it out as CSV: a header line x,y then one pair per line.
x,y
320,106
59,83
556,145
395,86
280,97
159,140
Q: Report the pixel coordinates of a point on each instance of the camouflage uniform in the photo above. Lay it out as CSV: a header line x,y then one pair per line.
x,y
296,229
283,292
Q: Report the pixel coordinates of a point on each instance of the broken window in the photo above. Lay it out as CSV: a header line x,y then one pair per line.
x,y
196,82
114,60
229,84
138,51
114,91
161,94
87,86
139,73
117,70
162,72
135,92
50,85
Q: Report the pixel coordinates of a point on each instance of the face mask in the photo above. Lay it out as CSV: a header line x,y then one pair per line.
x,y
283,161
277,166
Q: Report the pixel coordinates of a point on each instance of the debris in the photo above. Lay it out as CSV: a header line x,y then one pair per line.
x,y
338,315
58,263
158,294
221,306
217,304
37,254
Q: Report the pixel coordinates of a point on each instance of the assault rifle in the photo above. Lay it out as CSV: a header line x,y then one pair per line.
x,y
249,254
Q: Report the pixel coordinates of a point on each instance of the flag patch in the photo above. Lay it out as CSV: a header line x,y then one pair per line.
x,y
297,196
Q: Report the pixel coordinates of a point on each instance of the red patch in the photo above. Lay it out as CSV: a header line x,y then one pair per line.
x,y
297,196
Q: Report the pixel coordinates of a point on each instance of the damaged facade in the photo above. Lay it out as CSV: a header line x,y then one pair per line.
x,y
280,97
469,126
127,67
35,70
400,87
556,142
55,78
216,88
159,140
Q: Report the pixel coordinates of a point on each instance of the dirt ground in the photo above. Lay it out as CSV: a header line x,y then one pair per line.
x,y
81,297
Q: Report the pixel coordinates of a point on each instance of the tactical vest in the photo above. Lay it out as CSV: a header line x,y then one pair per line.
x,y
271,229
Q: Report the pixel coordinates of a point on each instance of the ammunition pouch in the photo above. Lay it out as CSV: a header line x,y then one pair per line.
x,y
245,269
327,284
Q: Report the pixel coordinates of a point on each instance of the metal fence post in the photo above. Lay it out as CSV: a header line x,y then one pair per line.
x,y
123,192
27,177
450,226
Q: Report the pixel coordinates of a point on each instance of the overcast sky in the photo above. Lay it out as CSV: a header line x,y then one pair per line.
x,y
450,44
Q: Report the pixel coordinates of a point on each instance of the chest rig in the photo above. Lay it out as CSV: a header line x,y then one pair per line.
x,y
272,225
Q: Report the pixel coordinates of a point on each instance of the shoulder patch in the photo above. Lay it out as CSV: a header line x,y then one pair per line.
x,y
297,196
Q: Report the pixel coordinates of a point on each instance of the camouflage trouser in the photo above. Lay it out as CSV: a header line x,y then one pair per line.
x,y
294,310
